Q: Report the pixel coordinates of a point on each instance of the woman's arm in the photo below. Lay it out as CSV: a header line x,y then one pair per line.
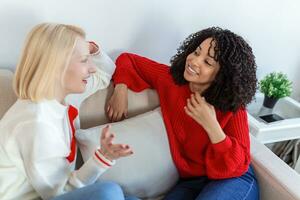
x,y
231,156
138,72
228,154
44,154
98,80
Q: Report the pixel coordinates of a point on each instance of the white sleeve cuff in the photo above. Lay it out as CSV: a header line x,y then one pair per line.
x,y
89,172
104,62
102,160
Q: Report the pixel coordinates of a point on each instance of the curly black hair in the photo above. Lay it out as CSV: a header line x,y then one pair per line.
x,y
235,83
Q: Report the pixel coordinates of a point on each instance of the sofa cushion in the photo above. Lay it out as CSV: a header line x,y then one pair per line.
x,y
150,171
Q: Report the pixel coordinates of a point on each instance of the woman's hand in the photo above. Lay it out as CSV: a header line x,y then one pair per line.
x,y
117,105
201,111
112,151
205,114
93,48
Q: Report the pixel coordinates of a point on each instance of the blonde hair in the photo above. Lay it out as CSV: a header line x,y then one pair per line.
x,y
46,54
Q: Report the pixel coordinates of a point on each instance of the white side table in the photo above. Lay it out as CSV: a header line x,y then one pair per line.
x,y
277,131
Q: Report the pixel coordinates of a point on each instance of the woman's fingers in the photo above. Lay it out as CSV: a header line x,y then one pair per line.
x,y
123,153
120,115
118,147
115,116
187,111
93,47
113,151
107,142
126,114
198,97
110,113
126,153
109,139
194,101
106,136
105,132
118,150
107,108
190,106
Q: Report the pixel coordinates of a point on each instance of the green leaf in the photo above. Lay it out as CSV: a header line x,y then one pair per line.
x,y
276,85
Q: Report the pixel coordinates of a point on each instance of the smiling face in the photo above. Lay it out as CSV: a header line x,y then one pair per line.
x,y
79,69
201,67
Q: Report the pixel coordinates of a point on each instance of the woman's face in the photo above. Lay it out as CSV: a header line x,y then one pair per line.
x,y
79,69
200,66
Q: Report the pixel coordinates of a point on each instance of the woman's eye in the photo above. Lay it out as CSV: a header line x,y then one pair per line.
x,y
208,63
84,61
196,53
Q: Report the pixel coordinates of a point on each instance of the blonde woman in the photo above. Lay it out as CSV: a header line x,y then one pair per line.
x,y
37,134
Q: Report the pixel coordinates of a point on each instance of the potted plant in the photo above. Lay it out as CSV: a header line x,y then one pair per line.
x,y
275,86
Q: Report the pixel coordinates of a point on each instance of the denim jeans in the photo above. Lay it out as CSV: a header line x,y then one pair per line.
x,y
244,187
96,191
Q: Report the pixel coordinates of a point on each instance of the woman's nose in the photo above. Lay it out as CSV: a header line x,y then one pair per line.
x,y
197,62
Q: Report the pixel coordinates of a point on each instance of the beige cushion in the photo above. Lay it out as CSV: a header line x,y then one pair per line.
x,y
150,171
7,95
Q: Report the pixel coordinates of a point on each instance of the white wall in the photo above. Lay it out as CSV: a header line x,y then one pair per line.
x,y
155,28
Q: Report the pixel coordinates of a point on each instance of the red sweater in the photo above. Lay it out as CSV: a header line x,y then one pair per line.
x,y
192,151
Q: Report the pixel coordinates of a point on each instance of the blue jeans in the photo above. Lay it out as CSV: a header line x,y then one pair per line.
x,y
96,191
244,187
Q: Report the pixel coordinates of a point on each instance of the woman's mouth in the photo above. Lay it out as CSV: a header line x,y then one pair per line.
x,y
85,80
191,71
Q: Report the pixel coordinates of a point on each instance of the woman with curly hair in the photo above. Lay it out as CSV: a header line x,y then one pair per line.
x,y
203,98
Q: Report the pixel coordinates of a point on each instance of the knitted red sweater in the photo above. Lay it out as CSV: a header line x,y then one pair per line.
x,y
192,152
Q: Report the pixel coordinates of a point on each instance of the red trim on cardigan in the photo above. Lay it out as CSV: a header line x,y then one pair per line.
x,y
101,159
72,113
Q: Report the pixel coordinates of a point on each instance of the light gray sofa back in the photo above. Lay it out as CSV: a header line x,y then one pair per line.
x,y
92,109
7,95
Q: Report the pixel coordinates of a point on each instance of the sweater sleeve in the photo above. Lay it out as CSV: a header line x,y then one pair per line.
x,y
105,67
44,151
138,72
230,157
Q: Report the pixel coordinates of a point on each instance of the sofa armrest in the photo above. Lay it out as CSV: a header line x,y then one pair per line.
x,y
277,181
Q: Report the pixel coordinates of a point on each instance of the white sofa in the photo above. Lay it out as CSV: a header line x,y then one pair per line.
x,y
276,179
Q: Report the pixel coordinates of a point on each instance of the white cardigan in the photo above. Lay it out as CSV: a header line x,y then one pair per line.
x,y
35,141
